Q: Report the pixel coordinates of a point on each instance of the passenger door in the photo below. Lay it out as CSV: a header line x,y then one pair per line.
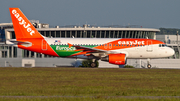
x,y
44,45
149,46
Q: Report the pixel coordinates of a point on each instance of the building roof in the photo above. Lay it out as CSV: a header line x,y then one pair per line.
x,y
6,24
96,29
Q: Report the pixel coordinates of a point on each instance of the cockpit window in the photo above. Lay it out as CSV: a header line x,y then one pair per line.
x,y
162,45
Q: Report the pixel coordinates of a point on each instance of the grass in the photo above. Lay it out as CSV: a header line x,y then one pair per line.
x,y
88,84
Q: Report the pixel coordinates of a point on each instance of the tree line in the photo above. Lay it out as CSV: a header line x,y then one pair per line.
x,y
168,31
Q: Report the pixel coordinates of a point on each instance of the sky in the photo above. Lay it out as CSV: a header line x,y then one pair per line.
x,y
145,13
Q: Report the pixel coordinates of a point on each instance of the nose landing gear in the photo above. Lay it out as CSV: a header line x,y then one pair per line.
x,y
149,65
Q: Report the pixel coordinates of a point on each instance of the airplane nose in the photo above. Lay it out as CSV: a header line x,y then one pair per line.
x,y
171,51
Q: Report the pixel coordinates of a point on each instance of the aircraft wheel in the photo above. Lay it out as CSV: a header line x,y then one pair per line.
x,y
93,64
149,66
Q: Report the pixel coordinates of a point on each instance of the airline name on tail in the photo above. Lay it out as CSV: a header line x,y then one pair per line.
x,y
22,22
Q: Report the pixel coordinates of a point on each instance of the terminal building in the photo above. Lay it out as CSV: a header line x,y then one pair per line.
x,y
15,57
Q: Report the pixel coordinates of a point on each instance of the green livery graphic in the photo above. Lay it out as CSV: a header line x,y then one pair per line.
x,y
65,50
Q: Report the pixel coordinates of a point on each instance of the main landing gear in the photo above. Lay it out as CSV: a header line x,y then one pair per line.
x,y
148,64
94,63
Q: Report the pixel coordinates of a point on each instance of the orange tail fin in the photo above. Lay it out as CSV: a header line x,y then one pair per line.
x,y
22,26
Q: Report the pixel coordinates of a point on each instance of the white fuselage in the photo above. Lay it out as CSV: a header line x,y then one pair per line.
x,y
146,51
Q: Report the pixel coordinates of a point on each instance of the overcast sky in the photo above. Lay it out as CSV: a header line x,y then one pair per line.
x,y
145,13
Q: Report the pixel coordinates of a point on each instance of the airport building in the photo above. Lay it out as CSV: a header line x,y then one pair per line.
x,y
15,57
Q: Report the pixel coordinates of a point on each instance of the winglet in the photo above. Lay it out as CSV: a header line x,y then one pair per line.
x,y
70,45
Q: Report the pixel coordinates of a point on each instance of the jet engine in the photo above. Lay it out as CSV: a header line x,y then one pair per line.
x,y
118,59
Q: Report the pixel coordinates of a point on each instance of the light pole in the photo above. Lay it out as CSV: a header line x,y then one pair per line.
x,y
177,38
178,46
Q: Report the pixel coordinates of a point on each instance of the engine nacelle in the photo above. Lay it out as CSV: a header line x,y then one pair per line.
x,y
118,59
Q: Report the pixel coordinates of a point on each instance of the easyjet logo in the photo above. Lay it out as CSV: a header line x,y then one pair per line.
x,y
23,23
136,42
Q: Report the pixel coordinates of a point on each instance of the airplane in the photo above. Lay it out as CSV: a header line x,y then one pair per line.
x,y
113,50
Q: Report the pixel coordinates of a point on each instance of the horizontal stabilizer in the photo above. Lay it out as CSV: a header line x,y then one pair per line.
x,y
14,42
19,42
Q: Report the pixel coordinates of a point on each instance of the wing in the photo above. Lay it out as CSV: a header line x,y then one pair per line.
x,y
88,49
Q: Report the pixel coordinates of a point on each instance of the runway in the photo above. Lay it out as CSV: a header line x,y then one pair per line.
x,y
107,97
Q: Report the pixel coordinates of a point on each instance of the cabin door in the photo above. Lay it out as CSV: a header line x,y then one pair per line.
x,y
44,45
149,46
